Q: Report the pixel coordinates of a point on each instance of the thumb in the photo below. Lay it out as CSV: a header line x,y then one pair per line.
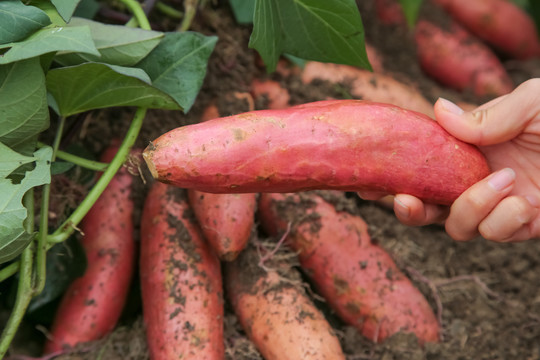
x,y
498,121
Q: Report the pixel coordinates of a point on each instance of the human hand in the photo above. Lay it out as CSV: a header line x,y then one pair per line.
x,y
505,205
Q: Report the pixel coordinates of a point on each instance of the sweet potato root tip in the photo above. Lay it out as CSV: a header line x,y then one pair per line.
x,y
358,279
226,220
348,145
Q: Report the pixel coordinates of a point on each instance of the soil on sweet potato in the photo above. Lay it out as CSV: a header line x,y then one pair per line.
x,y
486,294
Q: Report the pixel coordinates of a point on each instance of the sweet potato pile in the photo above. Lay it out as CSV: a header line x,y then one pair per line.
x,y
243,214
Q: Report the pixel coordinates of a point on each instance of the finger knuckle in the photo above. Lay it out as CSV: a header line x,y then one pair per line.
x,y
489,232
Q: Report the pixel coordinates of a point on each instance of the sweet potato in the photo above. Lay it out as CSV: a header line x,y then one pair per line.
x,y
93,303
277,315
350,145
458,60
369,86
501,23
226,220
180,281
390,12
358,279
277,96
451,55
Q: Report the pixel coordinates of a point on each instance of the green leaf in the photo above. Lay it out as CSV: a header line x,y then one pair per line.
x,y
11,160
23,105
13,236
94,86
178,65
243,10
87,9
65,8
60,167
117,45
50,40
49,9
322,30
411,9
17,21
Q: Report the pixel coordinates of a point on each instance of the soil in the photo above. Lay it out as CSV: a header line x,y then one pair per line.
x,y
486,294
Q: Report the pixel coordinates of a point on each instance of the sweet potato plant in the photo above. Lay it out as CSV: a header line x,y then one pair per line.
x,y
62,62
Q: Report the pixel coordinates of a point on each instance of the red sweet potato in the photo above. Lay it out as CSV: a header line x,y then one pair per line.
x,y
451,55
226,220
180,281
93,303
369,86
389,12
458,60
358,279
276,315
501,23
277,96
341,144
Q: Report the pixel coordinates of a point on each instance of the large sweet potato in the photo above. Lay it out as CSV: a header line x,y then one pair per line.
x,y
180,281
340,144
358,279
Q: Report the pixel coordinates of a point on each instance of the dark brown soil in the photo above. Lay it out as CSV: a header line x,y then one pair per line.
x,y
486,294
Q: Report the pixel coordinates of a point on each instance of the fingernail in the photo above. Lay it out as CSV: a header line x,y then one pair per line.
x,y
502,179
401,209
451,107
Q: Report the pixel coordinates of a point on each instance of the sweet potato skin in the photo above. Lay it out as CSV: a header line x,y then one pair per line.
x,y
500,23
278,317
457,59
226,220
180,281
358,279
369,86
93,303
349,145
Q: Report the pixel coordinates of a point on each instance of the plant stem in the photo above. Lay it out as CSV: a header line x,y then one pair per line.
x,y
70,224
77,160
138,12
24,289
41,249
169,10
190,9
9,271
